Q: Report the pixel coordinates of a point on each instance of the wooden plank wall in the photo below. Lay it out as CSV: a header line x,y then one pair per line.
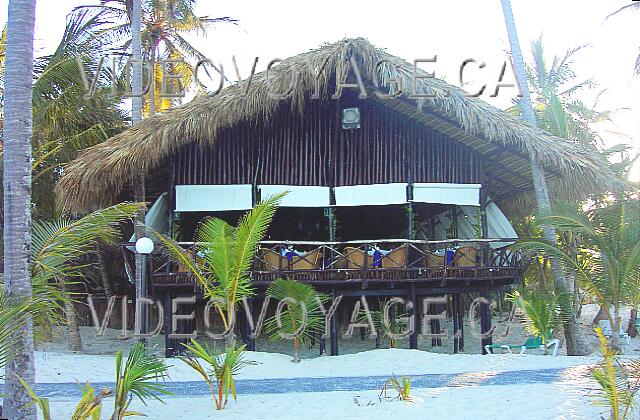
x,y
313,149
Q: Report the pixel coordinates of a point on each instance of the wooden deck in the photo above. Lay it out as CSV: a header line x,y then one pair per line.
x,y
355,264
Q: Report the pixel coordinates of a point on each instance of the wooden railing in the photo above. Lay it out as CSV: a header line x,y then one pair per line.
x,y
382,260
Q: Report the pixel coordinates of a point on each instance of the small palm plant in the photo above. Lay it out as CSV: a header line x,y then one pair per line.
x,y
58,245
402,386
543,312
385,324
302,316
617,389
226,255
222,369
138,376
89,407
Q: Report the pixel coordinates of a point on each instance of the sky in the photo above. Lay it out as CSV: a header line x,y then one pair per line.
x,y
452,31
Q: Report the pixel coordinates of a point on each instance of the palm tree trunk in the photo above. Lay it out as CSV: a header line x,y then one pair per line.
x,y
152,78
18,130
107,284
631,327
74,341
571,328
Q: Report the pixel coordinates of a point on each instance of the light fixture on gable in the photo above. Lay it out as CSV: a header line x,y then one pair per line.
x,y
350,118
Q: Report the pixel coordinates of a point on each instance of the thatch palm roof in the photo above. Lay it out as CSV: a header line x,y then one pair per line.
x,y
100,173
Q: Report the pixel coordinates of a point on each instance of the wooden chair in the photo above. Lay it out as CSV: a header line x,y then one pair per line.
x,y
433,260
355,257
307,262
181,267
465,256
396,258
271,260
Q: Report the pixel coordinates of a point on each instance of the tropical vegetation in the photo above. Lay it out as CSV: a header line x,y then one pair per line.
x,y
302,318
137,376
220,370
223,255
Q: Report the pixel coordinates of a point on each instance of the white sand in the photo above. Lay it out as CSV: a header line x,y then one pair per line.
x,y
486,402
559,400
566,400
61,367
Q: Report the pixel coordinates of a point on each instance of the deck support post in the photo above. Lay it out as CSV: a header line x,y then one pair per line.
x,y
169,343
413,338
460,311
485,319
334,326
455,319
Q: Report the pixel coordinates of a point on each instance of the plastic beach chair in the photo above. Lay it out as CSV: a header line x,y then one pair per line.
x,y
605,326
530,344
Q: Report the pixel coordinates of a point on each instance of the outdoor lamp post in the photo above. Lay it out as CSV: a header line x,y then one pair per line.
x,y
144,247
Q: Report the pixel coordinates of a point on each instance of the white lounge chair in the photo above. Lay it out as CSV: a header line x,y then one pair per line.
x,y
531,343
605,326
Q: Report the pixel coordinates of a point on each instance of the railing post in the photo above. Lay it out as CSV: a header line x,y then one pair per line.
x,y
169,343
484,227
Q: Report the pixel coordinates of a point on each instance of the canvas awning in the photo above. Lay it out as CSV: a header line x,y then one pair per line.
x,y
443,193
468,224
213,197
298,195
371,195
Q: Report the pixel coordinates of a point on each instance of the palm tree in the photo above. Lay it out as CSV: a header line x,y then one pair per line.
x,y
64,121
632,7
539,181
139,377
17,195
303,312
556,107
223,255
608,265
221,368
164,25
57,247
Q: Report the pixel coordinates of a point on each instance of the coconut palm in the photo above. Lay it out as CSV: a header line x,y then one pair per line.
x,y
139,377
618,383
538,177
165,23
64,120
302,317
608,265
223,255
221,368
57,248
543,312
556,107
17,195
630,7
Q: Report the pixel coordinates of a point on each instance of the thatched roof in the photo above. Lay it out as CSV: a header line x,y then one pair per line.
x,y
100,173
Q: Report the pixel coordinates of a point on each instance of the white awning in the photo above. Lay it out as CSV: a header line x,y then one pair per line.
x,y
157,217
298,195
371,195
213,197
468,219
441,193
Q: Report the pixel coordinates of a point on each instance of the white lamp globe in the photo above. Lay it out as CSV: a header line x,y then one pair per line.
x,y
144,246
